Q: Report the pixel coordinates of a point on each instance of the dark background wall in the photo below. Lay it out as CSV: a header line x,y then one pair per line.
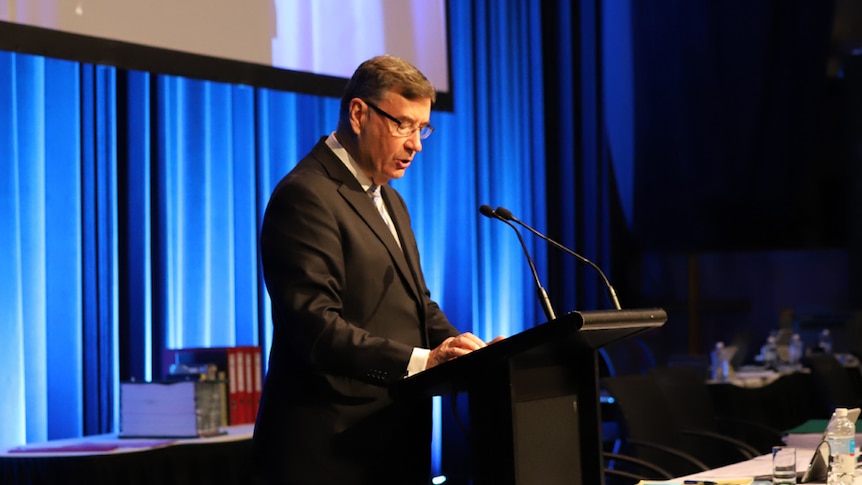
x,y
747,153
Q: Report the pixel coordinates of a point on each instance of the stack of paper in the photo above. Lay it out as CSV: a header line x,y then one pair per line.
x,y
169,409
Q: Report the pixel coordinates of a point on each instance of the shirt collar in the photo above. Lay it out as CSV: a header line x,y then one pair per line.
x,y
348,161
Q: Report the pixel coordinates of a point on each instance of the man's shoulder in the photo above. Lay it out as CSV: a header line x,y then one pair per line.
x,y
320,161
314,165
306,177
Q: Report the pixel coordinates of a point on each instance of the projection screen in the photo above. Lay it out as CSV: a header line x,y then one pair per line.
x,y
308,46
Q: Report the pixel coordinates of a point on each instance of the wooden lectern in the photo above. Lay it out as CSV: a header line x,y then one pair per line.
x,y
534,398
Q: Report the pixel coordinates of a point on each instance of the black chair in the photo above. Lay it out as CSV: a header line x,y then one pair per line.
x,y
652,433
692,405
626,356
835,385
628,470
781,404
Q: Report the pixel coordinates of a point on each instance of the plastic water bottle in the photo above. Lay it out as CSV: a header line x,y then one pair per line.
x,y
720,363
841,436
795,350
825,341
770,352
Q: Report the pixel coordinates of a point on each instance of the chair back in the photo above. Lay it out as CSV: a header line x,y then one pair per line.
x,y
835,385
645,417
687,394
679,418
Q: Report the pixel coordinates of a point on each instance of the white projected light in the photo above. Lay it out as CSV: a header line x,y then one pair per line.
x,y
298,45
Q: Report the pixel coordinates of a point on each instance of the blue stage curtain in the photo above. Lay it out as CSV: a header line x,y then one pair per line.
x,y
206,214
489,151
131,203
99,208
42,249
589,143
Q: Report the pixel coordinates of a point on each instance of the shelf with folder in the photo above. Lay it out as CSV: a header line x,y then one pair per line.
x,y
241,367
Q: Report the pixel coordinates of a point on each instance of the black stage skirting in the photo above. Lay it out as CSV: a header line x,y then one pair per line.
x,y
192,462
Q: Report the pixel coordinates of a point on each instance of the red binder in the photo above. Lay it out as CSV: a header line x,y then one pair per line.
x,y
258,381
243,368
234,401
242,383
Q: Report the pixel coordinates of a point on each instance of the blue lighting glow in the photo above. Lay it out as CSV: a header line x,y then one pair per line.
x,y
129,225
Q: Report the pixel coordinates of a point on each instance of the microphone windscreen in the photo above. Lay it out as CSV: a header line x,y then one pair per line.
x,y
504,213
487,211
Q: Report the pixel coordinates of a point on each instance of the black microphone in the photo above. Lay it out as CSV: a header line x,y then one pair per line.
x,y
506,214
487,211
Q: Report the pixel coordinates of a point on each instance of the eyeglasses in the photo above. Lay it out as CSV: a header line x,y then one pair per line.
x,y
402,129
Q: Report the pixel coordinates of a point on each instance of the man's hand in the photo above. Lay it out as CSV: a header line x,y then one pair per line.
x,y
454,347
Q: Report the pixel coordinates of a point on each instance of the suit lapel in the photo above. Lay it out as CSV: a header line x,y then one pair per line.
x,y
408,240
361,202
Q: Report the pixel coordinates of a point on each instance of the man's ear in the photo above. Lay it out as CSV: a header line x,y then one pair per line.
x,y
357,114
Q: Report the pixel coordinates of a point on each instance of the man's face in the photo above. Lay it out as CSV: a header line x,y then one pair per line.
x,y
383,154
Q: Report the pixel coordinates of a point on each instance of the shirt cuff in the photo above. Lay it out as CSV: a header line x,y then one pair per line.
x,y
418,361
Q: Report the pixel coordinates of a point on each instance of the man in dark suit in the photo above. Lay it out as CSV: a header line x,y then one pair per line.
x,y
351,310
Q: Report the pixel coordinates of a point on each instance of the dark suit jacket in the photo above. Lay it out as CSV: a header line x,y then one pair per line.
x,y
348,308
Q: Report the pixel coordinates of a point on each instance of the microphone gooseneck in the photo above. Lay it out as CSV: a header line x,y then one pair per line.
x,y
487,211
506,214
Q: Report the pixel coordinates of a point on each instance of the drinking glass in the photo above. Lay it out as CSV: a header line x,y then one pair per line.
x,y
783,465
